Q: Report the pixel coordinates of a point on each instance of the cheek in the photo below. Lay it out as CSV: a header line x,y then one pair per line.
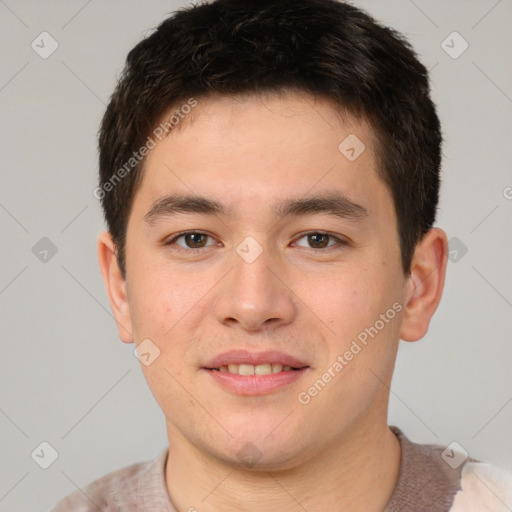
x,y
171,306
345,298
158,300
351,302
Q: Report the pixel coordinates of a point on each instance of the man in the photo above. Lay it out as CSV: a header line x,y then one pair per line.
x,y
269,173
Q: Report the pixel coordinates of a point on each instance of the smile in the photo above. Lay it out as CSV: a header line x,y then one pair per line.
x,y
260,369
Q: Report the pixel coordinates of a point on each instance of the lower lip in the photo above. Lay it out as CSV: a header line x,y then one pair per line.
x,y
254,385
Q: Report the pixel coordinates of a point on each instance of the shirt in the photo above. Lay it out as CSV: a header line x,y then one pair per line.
x,y
431,478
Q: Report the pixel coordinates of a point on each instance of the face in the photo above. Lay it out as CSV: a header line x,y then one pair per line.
x,y
257,244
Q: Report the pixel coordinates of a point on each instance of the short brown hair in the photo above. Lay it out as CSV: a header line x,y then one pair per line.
x,y
324,47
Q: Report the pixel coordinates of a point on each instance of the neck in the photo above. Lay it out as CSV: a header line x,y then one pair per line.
x,y
358,472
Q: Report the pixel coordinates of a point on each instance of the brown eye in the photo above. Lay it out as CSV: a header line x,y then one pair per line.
x,y
318,240
195,240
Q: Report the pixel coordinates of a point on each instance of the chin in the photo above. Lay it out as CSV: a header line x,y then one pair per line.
x,y
253,459
256,450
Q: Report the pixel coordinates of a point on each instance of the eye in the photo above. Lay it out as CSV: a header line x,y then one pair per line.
x,y
319,240
191,240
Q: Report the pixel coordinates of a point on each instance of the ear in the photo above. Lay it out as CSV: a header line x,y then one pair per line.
x,y
425,284
115,284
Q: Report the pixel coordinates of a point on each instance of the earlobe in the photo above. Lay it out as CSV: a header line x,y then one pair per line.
x,y
115,284
425,284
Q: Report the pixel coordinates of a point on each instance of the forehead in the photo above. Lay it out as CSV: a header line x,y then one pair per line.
x,y
249,147
263,115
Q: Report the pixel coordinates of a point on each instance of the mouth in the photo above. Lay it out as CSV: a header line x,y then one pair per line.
x,y
260,369
252,374
243,362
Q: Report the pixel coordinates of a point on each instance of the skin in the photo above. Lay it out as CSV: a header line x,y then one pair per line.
x,y
298,296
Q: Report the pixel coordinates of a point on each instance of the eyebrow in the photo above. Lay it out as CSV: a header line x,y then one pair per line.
x,y
177,203
335,204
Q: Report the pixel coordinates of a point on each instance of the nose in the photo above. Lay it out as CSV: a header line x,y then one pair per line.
x,y
255,295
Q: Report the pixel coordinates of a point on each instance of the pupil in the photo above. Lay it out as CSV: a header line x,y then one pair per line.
x,y
318,240
194,240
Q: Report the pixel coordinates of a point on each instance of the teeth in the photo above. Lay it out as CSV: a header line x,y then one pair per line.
x,y
260,369
243,369
276,367
263,369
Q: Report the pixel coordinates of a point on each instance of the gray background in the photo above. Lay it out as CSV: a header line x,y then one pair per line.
x,y
68,380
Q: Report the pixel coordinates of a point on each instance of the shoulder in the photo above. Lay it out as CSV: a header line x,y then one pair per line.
x,y
483,487
122,489
442,479
425,480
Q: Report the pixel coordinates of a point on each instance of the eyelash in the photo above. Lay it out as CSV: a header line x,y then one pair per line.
x,y
340,242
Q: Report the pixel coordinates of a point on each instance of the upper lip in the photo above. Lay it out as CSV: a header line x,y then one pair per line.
x,y
254,358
